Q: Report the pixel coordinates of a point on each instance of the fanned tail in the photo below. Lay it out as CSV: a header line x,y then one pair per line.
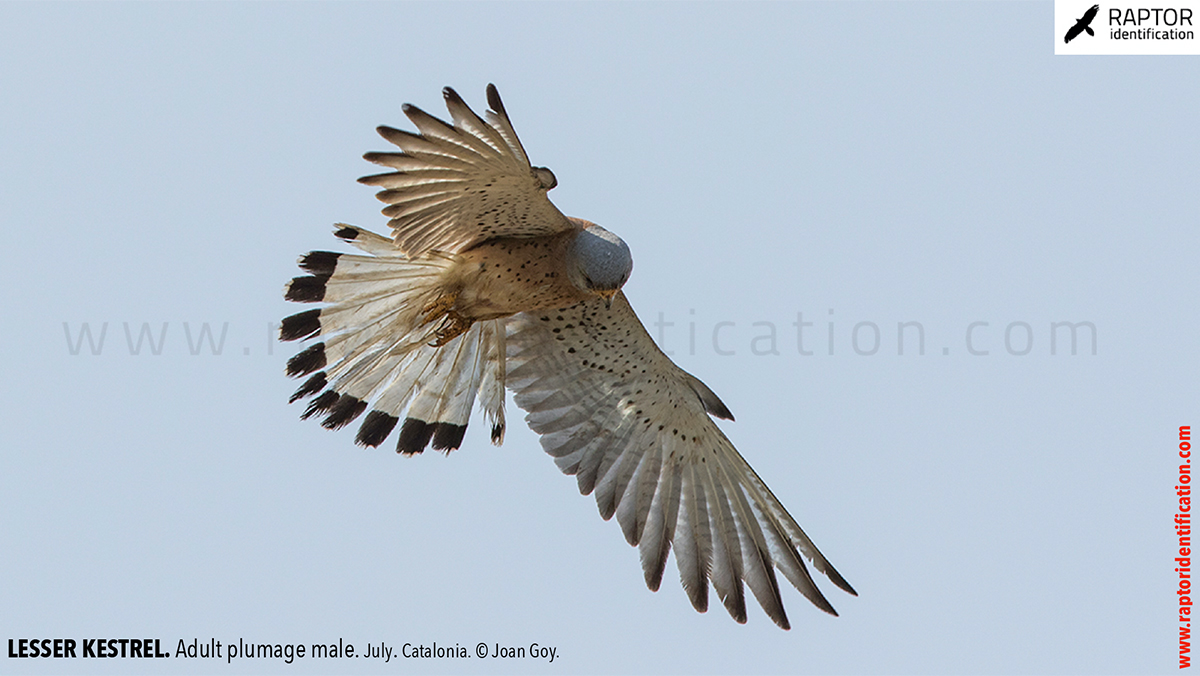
x,y
374,351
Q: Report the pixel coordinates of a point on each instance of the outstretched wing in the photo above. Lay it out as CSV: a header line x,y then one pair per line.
x,y
633,427
457,185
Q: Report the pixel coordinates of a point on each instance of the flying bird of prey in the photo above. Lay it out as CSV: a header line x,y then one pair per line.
x,y
1083,24
485,284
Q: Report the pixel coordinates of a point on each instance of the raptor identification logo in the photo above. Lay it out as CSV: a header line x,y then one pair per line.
x,y
1126,27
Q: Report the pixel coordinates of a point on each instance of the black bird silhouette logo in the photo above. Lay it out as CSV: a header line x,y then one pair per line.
x,y
1084,24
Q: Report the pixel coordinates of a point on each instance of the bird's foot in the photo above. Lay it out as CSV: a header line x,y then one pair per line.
x,y
439,307
454,326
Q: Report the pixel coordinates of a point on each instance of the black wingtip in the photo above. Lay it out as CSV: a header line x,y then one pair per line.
x,y
375,428
700,598
346,233
709,399
654,576
818,599
414,436
837,579
450,95
448,436
735,603
493,97
497,433
714,405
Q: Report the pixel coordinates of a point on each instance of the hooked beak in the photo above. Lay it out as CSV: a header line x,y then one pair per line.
x,y
608,298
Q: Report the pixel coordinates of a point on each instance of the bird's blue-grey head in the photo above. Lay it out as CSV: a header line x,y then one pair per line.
x,y
598,261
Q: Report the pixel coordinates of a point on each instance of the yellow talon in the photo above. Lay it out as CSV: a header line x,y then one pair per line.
x,y
439,307
454,326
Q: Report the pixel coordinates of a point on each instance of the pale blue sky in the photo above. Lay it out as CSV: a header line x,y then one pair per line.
x,y
887,162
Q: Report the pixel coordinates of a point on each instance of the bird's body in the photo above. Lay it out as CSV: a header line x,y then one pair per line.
x,y
502,277
485,284
506,275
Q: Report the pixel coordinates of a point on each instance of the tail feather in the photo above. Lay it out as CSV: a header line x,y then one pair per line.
x,y
455,376
458,371
374,354
491,387
365,240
